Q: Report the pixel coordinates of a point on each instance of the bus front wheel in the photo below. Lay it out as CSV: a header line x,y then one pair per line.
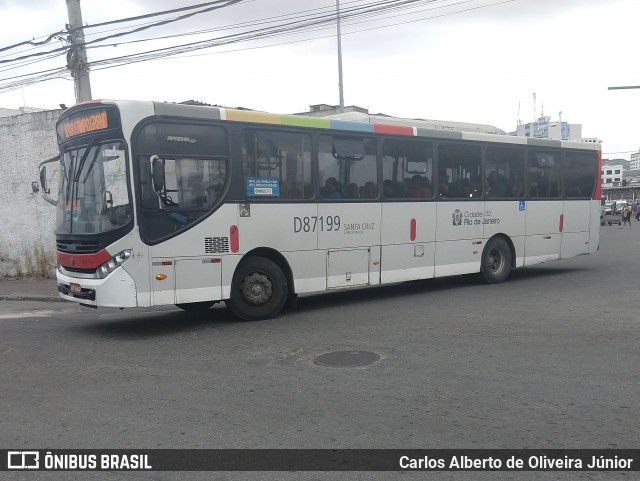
x,y
496,261
258,290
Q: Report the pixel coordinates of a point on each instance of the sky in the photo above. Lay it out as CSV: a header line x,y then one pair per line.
x,y
475,61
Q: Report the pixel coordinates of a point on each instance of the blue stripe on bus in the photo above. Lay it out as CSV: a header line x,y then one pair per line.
x,y
347,125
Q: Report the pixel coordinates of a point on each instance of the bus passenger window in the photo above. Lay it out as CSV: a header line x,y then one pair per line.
x,y
407,167
277,165
459,170
544,174
504,169
347,168
580,170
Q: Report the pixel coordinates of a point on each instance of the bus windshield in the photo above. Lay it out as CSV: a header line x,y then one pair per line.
x,y
93,193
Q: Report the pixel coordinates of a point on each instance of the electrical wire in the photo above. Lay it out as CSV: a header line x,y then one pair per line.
x,y
225,3
304,24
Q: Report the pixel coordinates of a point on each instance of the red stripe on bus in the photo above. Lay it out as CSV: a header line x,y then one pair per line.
x,y
234,238
561,226
598,193
83,261
392,129
412,230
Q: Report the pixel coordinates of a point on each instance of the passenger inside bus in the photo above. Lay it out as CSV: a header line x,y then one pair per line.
x,y
194,194
497,187
392,190
331,189
419,188
369,191
443,187
353,191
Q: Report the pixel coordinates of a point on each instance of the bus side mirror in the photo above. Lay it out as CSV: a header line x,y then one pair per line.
x,y
157,173
43,180
45,190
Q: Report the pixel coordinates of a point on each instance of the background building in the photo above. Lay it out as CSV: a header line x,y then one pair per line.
x,y
612,173
544,128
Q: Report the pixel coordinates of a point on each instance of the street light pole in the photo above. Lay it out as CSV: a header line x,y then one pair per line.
x,y
339,57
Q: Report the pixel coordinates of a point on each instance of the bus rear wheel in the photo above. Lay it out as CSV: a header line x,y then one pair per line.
x,y
258,290
496,261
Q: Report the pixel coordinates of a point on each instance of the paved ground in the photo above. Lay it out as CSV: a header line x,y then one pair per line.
x,y
548,359
28,290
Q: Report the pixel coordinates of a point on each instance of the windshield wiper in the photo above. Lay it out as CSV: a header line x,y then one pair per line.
x,y
82,160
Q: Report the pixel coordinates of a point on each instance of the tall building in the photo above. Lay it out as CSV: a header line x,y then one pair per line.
x,y
635,160
544,128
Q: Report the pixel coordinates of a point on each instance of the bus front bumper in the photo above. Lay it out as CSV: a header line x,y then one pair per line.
x,y
116,290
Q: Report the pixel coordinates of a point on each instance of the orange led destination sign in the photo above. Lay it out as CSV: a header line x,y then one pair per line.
x,y
83,125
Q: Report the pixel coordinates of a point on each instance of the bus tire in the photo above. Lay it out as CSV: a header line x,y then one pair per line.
x,y
496,261
258,290
196,306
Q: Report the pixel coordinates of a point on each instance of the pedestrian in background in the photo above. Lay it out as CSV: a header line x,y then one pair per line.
x,y
626,215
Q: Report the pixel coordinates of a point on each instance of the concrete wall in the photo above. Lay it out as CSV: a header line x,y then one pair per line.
x,y
27,243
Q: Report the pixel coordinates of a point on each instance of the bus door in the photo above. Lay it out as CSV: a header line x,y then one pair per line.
x,y
408,210
186,267
580,210
545,207
461,210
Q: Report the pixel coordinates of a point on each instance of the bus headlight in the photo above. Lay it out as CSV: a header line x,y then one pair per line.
x,y
116,261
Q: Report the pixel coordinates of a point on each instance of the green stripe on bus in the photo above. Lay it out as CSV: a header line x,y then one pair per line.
x,y
305,122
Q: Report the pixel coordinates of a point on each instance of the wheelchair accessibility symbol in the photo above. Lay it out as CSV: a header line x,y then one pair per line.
x,y
521,206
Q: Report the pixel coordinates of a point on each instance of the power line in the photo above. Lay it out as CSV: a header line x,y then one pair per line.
x,y
225,3
111,22
253,35
305,22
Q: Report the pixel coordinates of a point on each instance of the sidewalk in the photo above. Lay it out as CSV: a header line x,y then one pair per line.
x,y
29,290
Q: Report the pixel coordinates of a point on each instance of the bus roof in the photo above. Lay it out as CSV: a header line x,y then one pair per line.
x,y
364,123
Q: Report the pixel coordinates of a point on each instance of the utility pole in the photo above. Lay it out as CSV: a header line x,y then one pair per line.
x,y
77,55
339,57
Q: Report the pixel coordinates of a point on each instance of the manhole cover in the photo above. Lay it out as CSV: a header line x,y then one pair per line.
x,y
347,358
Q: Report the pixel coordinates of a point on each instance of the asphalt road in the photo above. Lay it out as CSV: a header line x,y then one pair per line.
x,y
548,359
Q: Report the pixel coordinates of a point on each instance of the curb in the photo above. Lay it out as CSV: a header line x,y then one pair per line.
x,y
20,297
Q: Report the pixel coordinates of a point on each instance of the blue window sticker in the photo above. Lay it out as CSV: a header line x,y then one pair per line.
x,y
521,206
263,187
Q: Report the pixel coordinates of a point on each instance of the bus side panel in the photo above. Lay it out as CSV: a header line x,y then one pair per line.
x,y
197,279
341,225
576,228
291,230
543,231
199,273
594,228
350,236
408,241
507,217
309,270
283,227
459,237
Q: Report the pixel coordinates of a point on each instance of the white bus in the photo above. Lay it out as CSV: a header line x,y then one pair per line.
x,y
163,204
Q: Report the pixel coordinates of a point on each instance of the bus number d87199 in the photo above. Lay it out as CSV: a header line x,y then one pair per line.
x,y
311,224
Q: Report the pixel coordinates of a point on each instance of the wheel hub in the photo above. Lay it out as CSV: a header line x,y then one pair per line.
x,y
495,261
256,289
